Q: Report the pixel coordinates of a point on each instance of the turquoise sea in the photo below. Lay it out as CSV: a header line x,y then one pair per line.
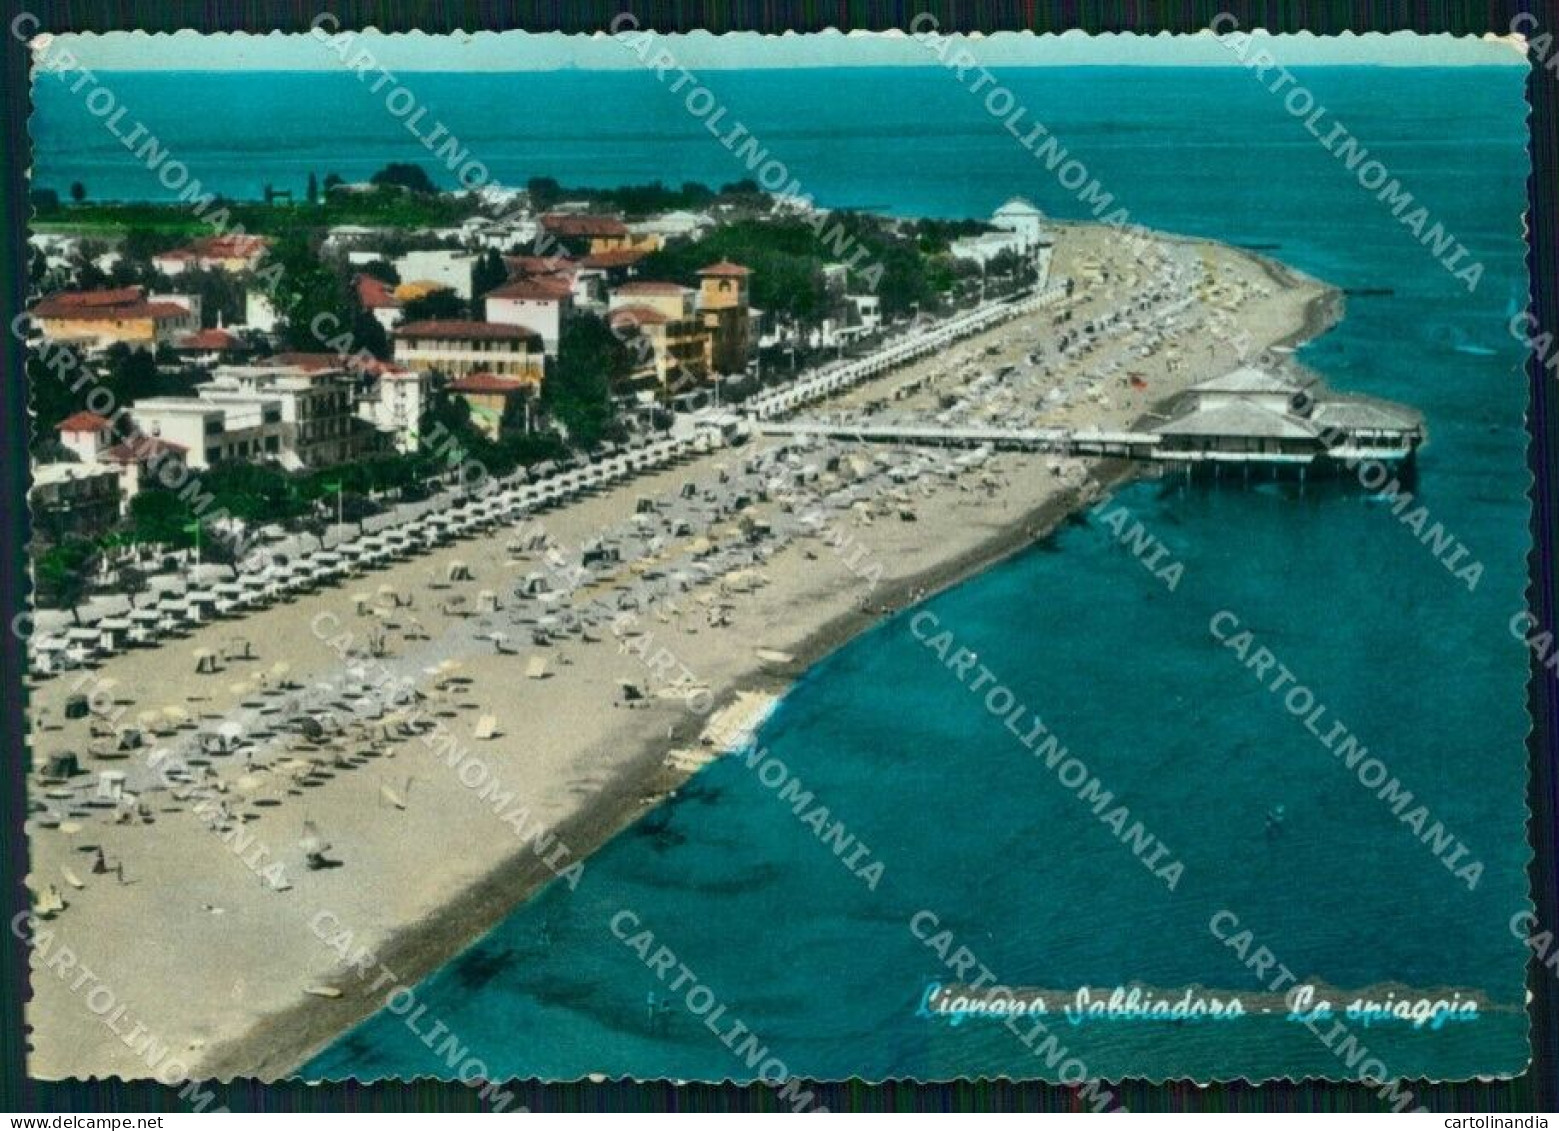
x,y
967,823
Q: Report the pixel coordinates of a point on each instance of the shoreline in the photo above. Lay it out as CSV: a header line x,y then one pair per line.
x,y
298,1035
272,1042
414,952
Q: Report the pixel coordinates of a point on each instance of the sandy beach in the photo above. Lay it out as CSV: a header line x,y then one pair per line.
x,y
205,957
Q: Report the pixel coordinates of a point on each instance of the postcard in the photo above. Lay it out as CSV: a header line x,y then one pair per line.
x,y
897,556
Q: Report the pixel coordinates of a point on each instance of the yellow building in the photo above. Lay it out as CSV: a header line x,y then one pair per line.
x,y
725,309
231,253
98,319
456,347
662,316
491,398
596,234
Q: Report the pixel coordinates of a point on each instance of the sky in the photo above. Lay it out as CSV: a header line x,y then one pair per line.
x,y
523,51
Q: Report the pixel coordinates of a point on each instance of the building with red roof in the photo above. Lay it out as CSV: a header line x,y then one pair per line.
x,y
378,298
521,266
487,383
491,397
87,304
632,315
130,458
141,449
586,283
725,269
85,434
652,289
622,257
210,346
589,225
541,304
142,459
361,364
389,396
691,333
726,309
83,422
213,338
232,253
456,347
662,317
98,319
534,286
590,233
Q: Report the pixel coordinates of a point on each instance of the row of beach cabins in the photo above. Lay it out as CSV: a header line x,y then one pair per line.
x,y
173,615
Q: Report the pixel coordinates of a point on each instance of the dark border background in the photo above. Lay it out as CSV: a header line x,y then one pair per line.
x,y
1538,1090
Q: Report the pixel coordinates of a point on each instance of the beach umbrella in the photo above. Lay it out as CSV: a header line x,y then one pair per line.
x,y
251,784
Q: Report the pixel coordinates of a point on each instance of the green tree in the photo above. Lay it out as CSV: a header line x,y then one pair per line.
x,y
544,192
140,244
307,291
785,257
89,276
60,574
311,194
159,515
253,492
489,273
52,397
406,175
368,332
935,236
132,373
383,270
435,305
47,447
578,389
333,181
78,191
37,270
221,294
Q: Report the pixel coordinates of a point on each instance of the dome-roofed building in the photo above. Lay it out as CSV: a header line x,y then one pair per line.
x,y
1021,229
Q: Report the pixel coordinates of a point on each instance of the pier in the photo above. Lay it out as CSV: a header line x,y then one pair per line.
x,y
1247,417
1053,441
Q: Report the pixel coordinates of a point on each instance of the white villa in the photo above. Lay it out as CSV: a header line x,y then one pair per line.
x,y
1022,230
